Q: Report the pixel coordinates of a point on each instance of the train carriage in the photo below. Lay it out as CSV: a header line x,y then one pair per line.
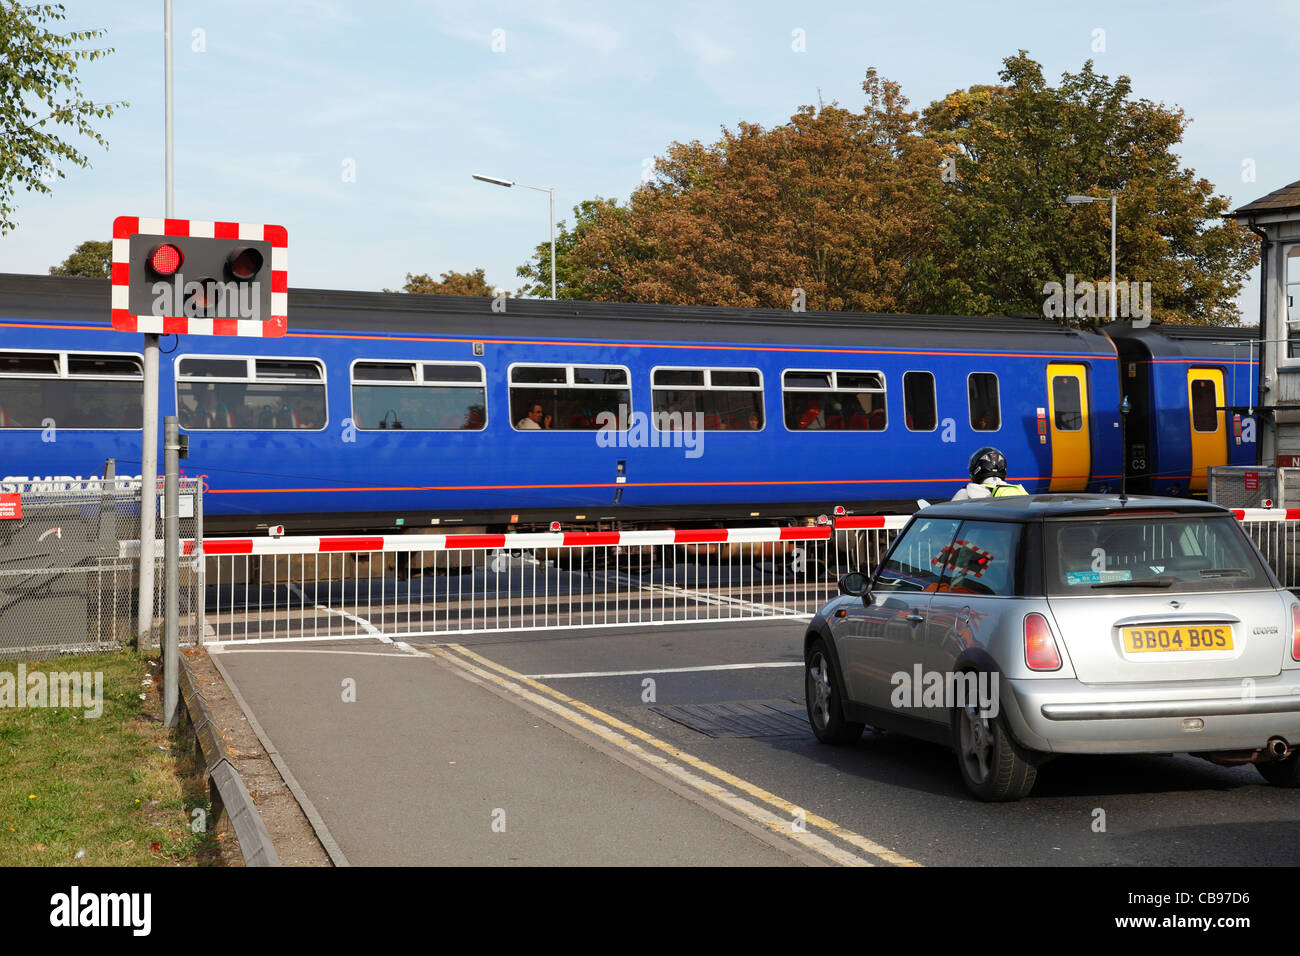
x,y
382,410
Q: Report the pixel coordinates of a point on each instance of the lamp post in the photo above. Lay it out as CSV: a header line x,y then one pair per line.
x,y
1080,200
510,182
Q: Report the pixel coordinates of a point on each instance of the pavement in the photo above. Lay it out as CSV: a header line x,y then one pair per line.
x,y
409,759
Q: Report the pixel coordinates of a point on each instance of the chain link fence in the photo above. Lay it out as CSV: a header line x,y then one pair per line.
x,y
67,583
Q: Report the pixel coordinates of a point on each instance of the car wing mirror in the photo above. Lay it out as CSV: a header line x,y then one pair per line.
x,y
854,584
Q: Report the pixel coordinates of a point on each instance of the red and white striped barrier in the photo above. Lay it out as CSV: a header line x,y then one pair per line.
x,y
511,542
1267,514
336,544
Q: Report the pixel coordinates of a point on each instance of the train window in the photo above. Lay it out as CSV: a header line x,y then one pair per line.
x,y
1205,405
29,364
418,397
569,397
105,365
454,373
723,398
919,405
599,376
982,395
834,401
543,375
1066,403
287,370
245,393
218,368
383,372
61,390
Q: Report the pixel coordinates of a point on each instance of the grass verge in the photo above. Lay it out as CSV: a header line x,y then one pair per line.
x,y
117,789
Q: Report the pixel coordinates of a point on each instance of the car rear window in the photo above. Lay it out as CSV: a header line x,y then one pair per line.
x,y
1156,554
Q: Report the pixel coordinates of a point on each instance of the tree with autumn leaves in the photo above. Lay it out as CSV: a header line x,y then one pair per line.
x,y
956,209
449,283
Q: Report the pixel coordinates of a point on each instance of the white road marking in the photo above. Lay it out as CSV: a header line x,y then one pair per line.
x,y
667,670
369,628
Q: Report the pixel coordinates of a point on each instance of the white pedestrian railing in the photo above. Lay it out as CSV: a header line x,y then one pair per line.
x,y
310,588
1276,532
416,585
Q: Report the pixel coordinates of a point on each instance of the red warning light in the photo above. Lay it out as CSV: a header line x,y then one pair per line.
x,y
165,259
555,526
839,511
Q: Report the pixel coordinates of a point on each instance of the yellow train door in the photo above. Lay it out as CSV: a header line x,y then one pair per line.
x,y
1206,418
1067,415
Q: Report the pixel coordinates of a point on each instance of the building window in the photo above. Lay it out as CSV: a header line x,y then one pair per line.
x,y
982,394
1292,303
919,407
419,396
248,393
70,390
834,401
727,398
569,397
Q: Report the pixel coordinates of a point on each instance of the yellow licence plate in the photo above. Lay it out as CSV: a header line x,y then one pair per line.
x,y
1194,637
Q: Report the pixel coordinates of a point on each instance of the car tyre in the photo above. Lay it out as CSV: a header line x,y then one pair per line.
x,y
824,698
1282,773
994,767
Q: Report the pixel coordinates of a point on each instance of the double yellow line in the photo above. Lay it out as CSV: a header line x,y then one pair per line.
x,y
812,832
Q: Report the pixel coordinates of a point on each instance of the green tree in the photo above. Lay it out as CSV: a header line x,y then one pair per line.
x,y
1023,146
596,223
836,204
959,209
39,93
92,259
449,283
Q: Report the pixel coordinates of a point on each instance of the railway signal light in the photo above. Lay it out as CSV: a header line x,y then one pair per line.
x,y
199,278
165,259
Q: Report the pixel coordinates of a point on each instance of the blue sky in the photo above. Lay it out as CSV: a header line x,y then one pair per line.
x,y
275,102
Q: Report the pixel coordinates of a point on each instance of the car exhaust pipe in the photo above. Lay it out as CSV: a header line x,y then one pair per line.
x,y
1278,748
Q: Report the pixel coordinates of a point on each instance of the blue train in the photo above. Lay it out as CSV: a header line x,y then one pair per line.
x,y
379,411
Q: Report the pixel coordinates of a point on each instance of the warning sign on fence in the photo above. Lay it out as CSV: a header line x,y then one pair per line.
x,y
11,506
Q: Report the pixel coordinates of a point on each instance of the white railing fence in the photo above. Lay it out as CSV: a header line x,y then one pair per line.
x,y
415,585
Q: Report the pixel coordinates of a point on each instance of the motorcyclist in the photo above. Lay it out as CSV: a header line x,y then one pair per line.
x,y
988,472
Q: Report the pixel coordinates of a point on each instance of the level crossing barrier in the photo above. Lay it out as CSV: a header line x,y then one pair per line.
x,y
306,588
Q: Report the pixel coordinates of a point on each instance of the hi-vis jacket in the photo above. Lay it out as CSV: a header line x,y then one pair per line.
x,y
989,488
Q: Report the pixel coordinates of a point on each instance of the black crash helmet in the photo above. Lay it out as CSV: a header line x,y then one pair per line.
x,y
986,463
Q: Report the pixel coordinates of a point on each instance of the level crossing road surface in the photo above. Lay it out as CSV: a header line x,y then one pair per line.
x,y
688,744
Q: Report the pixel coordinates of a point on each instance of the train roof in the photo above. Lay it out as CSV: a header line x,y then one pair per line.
x,y
63,298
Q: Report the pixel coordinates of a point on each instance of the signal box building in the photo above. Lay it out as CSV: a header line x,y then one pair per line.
x,y
1275,218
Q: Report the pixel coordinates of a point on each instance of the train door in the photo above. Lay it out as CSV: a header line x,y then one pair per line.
x,y
1208,428
1067,416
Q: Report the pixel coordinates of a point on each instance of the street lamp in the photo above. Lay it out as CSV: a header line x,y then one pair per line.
x,y
1080,200
510,182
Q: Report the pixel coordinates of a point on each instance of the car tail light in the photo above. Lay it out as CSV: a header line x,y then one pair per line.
x,y
1295,632
1040,647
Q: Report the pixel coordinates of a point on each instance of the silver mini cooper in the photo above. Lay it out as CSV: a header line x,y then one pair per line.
x,y
1018,629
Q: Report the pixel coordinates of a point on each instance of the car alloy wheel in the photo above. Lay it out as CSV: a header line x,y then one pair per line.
x,y
976,743
823,699
819,691
993,765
